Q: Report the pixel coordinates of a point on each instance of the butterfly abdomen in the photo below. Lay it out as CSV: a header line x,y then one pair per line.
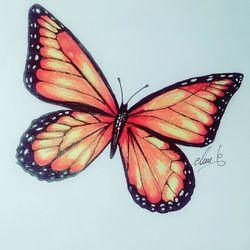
x,y
119,123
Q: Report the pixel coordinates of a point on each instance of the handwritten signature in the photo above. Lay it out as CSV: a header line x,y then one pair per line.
x,y
206,160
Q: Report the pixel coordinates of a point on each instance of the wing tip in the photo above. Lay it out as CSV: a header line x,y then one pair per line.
x,y
36,8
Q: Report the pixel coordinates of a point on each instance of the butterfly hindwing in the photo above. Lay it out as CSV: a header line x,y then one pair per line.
x,y
188,112
63,143
60,70
159,176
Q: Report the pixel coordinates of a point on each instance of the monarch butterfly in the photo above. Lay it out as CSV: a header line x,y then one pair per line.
x,y
60,70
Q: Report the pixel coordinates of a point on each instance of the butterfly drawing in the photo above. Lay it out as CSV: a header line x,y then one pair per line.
x,y
58,145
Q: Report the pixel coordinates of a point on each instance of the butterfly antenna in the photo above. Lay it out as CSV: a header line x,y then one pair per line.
x,y
137,92
119,80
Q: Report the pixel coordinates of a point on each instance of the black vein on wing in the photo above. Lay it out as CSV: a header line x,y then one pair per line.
x,y
182,100
161,119
144,156
130,138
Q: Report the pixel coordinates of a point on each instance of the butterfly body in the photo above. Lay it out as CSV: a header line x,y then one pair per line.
x,y
61,144
119,123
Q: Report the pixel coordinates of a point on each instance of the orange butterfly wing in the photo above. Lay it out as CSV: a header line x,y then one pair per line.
x,y
60,70
159,176
188,112
63,143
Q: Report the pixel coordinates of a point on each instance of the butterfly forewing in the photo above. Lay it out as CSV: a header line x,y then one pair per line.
x,y
59,69
188,112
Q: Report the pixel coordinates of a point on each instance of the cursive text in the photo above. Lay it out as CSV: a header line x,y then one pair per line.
x,y
206,160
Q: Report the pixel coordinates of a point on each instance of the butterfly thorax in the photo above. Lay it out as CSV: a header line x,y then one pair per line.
x,y
119,123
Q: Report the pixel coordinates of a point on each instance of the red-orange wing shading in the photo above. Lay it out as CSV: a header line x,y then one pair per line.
x,y
63,143
159,176
188,112
60,70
